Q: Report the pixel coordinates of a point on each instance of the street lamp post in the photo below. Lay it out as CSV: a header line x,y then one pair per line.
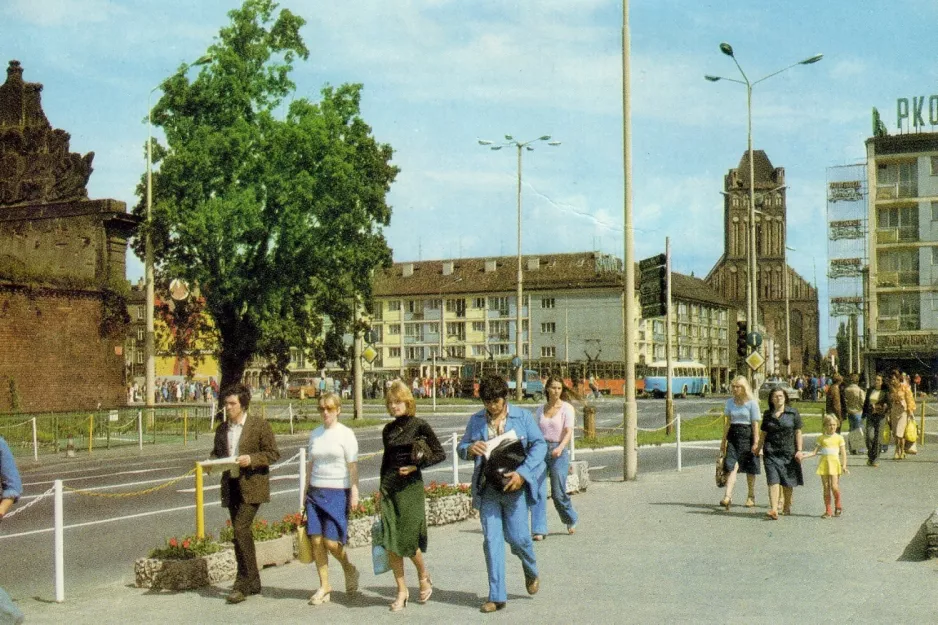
x,y
150,301
752,283
519,145
788,313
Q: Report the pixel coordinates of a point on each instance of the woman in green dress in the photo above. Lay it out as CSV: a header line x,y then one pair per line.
x,y
409,446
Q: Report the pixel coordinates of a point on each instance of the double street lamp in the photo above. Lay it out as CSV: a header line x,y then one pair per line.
x,y
519,145
752,283
150,301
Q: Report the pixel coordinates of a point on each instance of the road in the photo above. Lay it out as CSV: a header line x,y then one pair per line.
x,y
110,522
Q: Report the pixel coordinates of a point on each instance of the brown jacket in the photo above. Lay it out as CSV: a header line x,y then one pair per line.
x,y
258,441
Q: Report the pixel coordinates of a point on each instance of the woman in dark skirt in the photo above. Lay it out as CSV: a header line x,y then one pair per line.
x,y
740,440
409,446
781,445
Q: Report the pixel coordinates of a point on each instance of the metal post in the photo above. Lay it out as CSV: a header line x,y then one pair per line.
x,y
630,420
433,378
787,317
519,374
454,440
150,298
140,430
357,366
59,545
35,442
669,316
753,277
290,410
677,429
199,502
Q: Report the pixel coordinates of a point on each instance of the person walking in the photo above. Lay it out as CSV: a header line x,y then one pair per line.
x,y
854,397
250,440
780,445
740,440
901,406
410,445
875,407
833,400
830,445
555,419
332,492
11,487
504,507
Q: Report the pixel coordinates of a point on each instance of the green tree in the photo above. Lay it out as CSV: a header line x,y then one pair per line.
x,y
276,218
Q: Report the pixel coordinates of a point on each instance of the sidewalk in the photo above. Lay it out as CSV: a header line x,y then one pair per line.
x,y
655,550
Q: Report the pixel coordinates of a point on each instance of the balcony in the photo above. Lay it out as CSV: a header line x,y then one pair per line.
x,y
896,191
895,279
885,236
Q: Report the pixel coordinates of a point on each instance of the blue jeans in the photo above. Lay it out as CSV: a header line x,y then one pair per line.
x,y
504,517
856,421
557,470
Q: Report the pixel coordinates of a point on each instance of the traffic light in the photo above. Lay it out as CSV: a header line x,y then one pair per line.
x,y
741,346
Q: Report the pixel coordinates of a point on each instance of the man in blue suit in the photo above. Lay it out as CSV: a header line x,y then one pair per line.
x,y
503,508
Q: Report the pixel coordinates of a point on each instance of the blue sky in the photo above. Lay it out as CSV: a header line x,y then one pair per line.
x,y
440,74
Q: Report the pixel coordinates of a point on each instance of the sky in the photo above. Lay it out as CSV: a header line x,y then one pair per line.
x,y
439,75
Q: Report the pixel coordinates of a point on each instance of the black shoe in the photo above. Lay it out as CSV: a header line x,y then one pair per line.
x,y
532,584
236,596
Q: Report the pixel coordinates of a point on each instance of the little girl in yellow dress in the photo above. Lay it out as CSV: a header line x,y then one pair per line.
x,y
830,445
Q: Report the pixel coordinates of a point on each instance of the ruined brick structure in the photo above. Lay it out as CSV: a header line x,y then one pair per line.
x,y
62,313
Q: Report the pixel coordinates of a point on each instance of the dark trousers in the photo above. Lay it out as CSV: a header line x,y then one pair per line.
x,y
874,424
242,516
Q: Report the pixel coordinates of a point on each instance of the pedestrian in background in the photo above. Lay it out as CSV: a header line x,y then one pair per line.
x,y
854,397
740,442
833,463
555,418
504,507
250,440
11,487
875,408
901,406
780,445
833,400
332,493
409,446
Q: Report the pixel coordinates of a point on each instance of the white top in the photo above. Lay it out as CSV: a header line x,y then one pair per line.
x,y
234,435
330,450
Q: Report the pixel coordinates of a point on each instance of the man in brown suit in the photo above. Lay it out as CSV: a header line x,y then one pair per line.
x,y
250,440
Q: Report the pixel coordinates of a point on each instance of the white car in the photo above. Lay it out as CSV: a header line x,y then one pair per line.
x,y
767,386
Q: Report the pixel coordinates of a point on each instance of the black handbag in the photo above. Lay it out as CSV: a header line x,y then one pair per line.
x,y
420,453
507,457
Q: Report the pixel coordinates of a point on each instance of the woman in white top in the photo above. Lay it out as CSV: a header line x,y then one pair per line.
x,y
740,446
332,492
556,420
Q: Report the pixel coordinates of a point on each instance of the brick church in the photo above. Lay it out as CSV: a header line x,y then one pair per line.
x,y
730,273
62,267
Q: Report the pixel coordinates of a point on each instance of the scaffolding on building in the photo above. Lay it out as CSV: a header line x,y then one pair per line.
x,y
848,261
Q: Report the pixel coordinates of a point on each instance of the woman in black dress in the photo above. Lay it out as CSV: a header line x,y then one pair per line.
x,y
409,446
780,445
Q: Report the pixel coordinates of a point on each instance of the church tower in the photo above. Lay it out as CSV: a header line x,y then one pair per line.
x,y
730,274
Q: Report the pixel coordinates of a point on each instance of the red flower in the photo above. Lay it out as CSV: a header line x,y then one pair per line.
x,y
173,542
185,544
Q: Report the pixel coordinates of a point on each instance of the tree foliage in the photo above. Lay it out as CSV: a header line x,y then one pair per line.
x,y
275,214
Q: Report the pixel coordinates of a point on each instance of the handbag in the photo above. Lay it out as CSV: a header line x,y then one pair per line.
x,y
911,432
507,457
304,546
720,475
379,554
420,452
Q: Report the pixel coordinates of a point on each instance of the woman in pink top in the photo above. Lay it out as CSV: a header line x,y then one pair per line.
x,y
555,419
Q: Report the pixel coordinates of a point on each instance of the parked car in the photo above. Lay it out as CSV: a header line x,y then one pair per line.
x,y
532,386
767,386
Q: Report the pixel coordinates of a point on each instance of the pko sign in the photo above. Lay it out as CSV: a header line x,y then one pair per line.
x,y
914,113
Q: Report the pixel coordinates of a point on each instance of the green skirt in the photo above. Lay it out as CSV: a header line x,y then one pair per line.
x,y
404,517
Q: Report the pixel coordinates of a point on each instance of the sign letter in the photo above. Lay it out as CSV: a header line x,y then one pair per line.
x,y
902,111
933,110
917,105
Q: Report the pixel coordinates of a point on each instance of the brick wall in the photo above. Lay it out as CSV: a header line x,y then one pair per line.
x,y
53,350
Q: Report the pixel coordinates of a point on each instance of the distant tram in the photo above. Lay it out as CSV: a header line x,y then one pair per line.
x,y
688,378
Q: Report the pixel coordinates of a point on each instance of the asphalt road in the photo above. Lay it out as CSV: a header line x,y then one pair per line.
x,y
105,534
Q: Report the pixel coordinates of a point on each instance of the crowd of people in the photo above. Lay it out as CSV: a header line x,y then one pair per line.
x,y
775,436
169,391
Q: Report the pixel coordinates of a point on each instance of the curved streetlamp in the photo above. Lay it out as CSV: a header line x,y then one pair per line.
x,y
150,348
752,284
510,141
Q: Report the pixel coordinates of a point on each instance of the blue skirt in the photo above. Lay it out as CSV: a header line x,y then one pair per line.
x,y
327,512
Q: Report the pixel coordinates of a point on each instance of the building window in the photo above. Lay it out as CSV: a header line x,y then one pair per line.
x,y
478,302
433,304
548,328
414,353
456,330
479,350
548,351
414,306
140,310
934,211
478,326
456,305
394,305
394,329
498,330
394,352
456,351
934,256
934,165
548,302
499,303
500,349
141,334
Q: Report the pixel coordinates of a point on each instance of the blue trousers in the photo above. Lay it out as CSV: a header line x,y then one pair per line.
x,y
504,518
557,470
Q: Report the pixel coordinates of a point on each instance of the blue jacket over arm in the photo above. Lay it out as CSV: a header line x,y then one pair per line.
x,y
9,475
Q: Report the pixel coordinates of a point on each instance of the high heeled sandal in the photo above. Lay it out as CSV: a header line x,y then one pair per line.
x,y
400,603
425,592
319,597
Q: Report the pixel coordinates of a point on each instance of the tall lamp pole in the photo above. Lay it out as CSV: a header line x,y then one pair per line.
x,y
150,302
519,145
788,312
630,410
752,285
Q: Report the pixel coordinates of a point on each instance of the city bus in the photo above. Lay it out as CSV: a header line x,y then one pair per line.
x,y
689,378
